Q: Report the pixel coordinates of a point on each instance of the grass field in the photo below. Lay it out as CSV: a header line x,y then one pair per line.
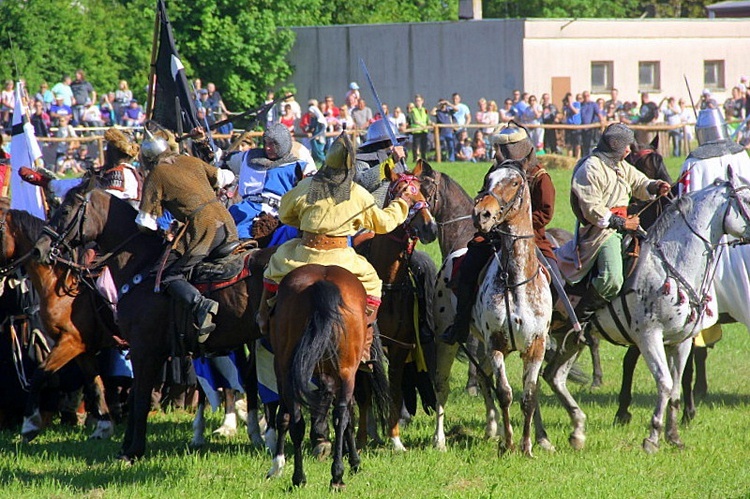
x,y
62,463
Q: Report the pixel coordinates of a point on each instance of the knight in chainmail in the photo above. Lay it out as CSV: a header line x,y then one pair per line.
x,y
265,175
511,143
601,188
374,154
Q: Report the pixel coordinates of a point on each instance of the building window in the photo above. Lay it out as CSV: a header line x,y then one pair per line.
x,y
601,76
713,75
649,78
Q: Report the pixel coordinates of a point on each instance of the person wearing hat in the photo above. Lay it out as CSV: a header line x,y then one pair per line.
x,y
511,143
58,109
352,95
328,208
184,186
265,175
601,188
707,101
374,154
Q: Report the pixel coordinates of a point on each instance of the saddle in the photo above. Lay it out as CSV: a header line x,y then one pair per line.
x,y
219,273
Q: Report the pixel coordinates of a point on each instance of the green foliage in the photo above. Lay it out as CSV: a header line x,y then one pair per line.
x,y
391,11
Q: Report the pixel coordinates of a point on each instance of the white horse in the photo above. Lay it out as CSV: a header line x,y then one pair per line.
x,y
661,307
514,308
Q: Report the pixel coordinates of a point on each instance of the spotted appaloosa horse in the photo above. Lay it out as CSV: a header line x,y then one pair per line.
x,y
661,306
514,308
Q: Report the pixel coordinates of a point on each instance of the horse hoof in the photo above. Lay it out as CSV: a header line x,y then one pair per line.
x,y
337,487
650,446
546,445
322,450
226,431
472,391
299,481
125,459
596,383
676,442
28,437
622,418
576,442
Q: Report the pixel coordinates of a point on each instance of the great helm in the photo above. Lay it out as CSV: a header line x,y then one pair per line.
x,y
710,127
377,132
152,146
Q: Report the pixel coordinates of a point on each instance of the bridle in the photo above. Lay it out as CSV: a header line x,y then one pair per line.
x,y
503,206
8,267
67,235
433,197
412,185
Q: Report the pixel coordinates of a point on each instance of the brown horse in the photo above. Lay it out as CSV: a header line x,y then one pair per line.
x,y
390,255
88,214
77,320
319,329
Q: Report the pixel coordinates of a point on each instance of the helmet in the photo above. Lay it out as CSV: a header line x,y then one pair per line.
x,y
710,127
152,146
377,132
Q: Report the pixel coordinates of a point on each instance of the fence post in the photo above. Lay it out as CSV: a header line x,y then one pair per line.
x,y
438,152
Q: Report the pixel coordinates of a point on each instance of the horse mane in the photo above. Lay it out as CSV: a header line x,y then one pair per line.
x,y
30,225
683,204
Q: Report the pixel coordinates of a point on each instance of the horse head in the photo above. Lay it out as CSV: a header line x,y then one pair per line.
x,y
420,221
647,160
503,195
737,217
73,224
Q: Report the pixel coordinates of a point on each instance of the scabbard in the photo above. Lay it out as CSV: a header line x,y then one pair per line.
x,y
560,287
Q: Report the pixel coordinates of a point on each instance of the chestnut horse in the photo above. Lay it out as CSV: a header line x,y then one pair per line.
x,y
89,214
73,315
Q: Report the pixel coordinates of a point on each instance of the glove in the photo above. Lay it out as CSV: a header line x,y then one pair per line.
x,y
617,222
34,177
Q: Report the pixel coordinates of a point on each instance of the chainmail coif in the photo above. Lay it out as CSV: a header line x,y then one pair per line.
x,y
335,179
612,144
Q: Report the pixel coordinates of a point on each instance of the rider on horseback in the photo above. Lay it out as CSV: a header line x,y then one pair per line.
x,y
184,186
511,143
600,191
328,208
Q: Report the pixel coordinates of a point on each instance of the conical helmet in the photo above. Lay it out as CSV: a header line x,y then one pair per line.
x,y
152,146
710,127
377,132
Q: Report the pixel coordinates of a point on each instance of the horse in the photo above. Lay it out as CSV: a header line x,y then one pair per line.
x,y
390,255
514,308
89,214
78,322
661,305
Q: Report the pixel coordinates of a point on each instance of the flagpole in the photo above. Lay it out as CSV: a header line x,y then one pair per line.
x,y
152,71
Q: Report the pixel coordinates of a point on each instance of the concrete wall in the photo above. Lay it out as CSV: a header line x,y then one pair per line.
x,y
474,58
489,58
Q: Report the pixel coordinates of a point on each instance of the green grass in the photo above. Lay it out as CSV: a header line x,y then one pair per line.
x,y
62,463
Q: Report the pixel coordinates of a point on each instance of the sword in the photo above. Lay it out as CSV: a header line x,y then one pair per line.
x,y
560,287
391,134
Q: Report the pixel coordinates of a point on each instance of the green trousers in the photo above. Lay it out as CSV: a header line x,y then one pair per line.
x,y
609,278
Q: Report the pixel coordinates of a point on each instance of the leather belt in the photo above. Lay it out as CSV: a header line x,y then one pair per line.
x,y
324,242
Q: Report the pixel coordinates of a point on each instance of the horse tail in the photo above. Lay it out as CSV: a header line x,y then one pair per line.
x,y
381,393
319,340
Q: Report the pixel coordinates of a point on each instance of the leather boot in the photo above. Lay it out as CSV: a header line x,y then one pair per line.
x,y
372,329
267,301
591,301
34,177
203,309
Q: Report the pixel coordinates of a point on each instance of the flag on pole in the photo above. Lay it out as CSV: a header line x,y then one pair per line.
x,y
24,151
171,82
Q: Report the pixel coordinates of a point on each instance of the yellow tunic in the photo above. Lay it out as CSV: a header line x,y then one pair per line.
x,y
326,217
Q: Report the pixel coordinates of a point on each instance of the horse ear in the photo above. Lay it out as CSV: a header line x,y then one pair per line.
x,y
655,142
390,173
730,173
423,168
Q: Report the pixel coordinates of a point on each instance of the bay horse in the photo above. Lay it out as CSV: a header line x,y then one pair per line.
x,y
90,214
79,323
390,255
514,308
661,305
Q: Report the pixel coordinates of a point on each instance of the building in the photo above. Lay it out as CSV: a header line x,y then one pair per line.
x,y
492,57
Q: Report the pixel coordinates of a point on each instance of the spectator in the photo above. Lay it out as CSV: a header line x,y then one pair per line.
x,y
7,104
345,117
64,159
508,112
481,115
296,108
479,145
465,152
107,110
613,94
272,115
443,114
40,120
45,95
214,104
398,120
91,115
610,113
734,105
673,116
59,109
589,114
419,122
288,119
316,131
492,118
521,104
83,160
649,113
461,112
549,117
361,116
83,92
133,115
123,96
352,95
197,87
333,110
532,115
571,111
707,101
63,88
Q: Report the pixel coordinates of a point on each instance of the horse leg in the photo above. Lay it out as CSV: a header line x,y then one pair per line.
x,y
701,384
445,355
396,360
556,375
199,422
145,370
228,427
297,432
505,396
319,435
625,397
282,426
687,388
354,459
340,422
363,398
677,356
596,363
484,382
471,381
532,365
94,395
542,439
652,349
250,382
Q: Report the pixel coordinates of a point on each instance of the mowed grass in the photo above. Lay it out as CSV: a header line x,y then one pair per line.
x,y
63,463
